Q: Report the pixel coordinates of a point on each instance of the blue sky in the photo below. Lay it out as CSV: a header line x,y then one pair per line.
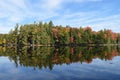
x,y
98,14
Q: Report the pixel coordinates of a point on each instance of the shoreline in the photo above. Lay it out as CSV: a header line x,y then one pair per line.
x,y
59,45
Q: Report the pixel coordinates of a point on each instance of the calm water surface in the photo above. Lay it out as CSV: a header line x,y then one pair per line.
x,y
80,63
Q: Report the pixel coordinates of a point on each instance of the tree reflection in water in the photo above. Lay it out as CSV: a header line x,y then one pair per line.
x,y
47,57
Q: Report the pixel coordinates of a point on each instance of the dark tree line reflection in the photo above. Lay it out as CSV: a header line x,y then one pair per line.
x,y
47,57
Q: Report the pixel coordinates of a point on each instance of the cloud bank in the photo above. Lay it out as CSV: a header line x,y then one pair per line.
x,y
98,14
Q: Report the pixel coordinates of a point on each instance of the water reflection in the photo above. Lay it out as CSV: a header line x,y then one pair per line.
x,y
48,57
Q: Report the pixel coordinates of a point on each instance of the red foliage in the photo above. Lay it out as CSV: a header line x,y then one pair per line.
x,y
114,53
89,61
114,36
72,50
72,39
110,34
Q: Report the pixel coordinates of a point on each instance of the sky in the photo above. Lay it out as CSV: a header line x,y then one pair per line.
x,y
98,14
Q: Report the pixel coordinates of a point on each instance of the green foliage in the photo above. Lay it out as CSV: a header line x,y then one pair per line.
x,y
48,34
48,57
118,39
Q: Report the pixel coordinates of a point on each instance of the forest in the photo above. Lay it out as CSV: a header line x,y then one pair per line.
x,y
48,34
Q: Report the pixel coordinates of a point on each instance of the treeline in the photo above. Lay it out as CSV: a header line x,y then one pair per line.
x,y
47,34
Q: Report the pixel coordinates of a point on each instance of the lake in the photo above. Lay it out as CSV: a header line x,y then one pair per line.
x,y
60,63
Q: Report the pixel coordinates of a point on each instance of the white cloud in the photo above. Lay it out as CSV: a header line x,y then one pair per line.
x,y
12,11
19,3
51,4
76,18
97,22
109,22
5,28
19,11
80,1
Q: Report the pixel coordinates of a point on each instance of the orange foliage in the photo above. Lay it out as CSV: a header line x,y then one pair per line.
x,y
79,34
87,28
67,60
67,29
80,55
55,31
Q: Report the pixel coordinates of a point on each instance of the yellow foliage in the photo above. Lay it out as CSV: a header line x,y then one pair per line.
x,y
4,49
4,40
0,42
